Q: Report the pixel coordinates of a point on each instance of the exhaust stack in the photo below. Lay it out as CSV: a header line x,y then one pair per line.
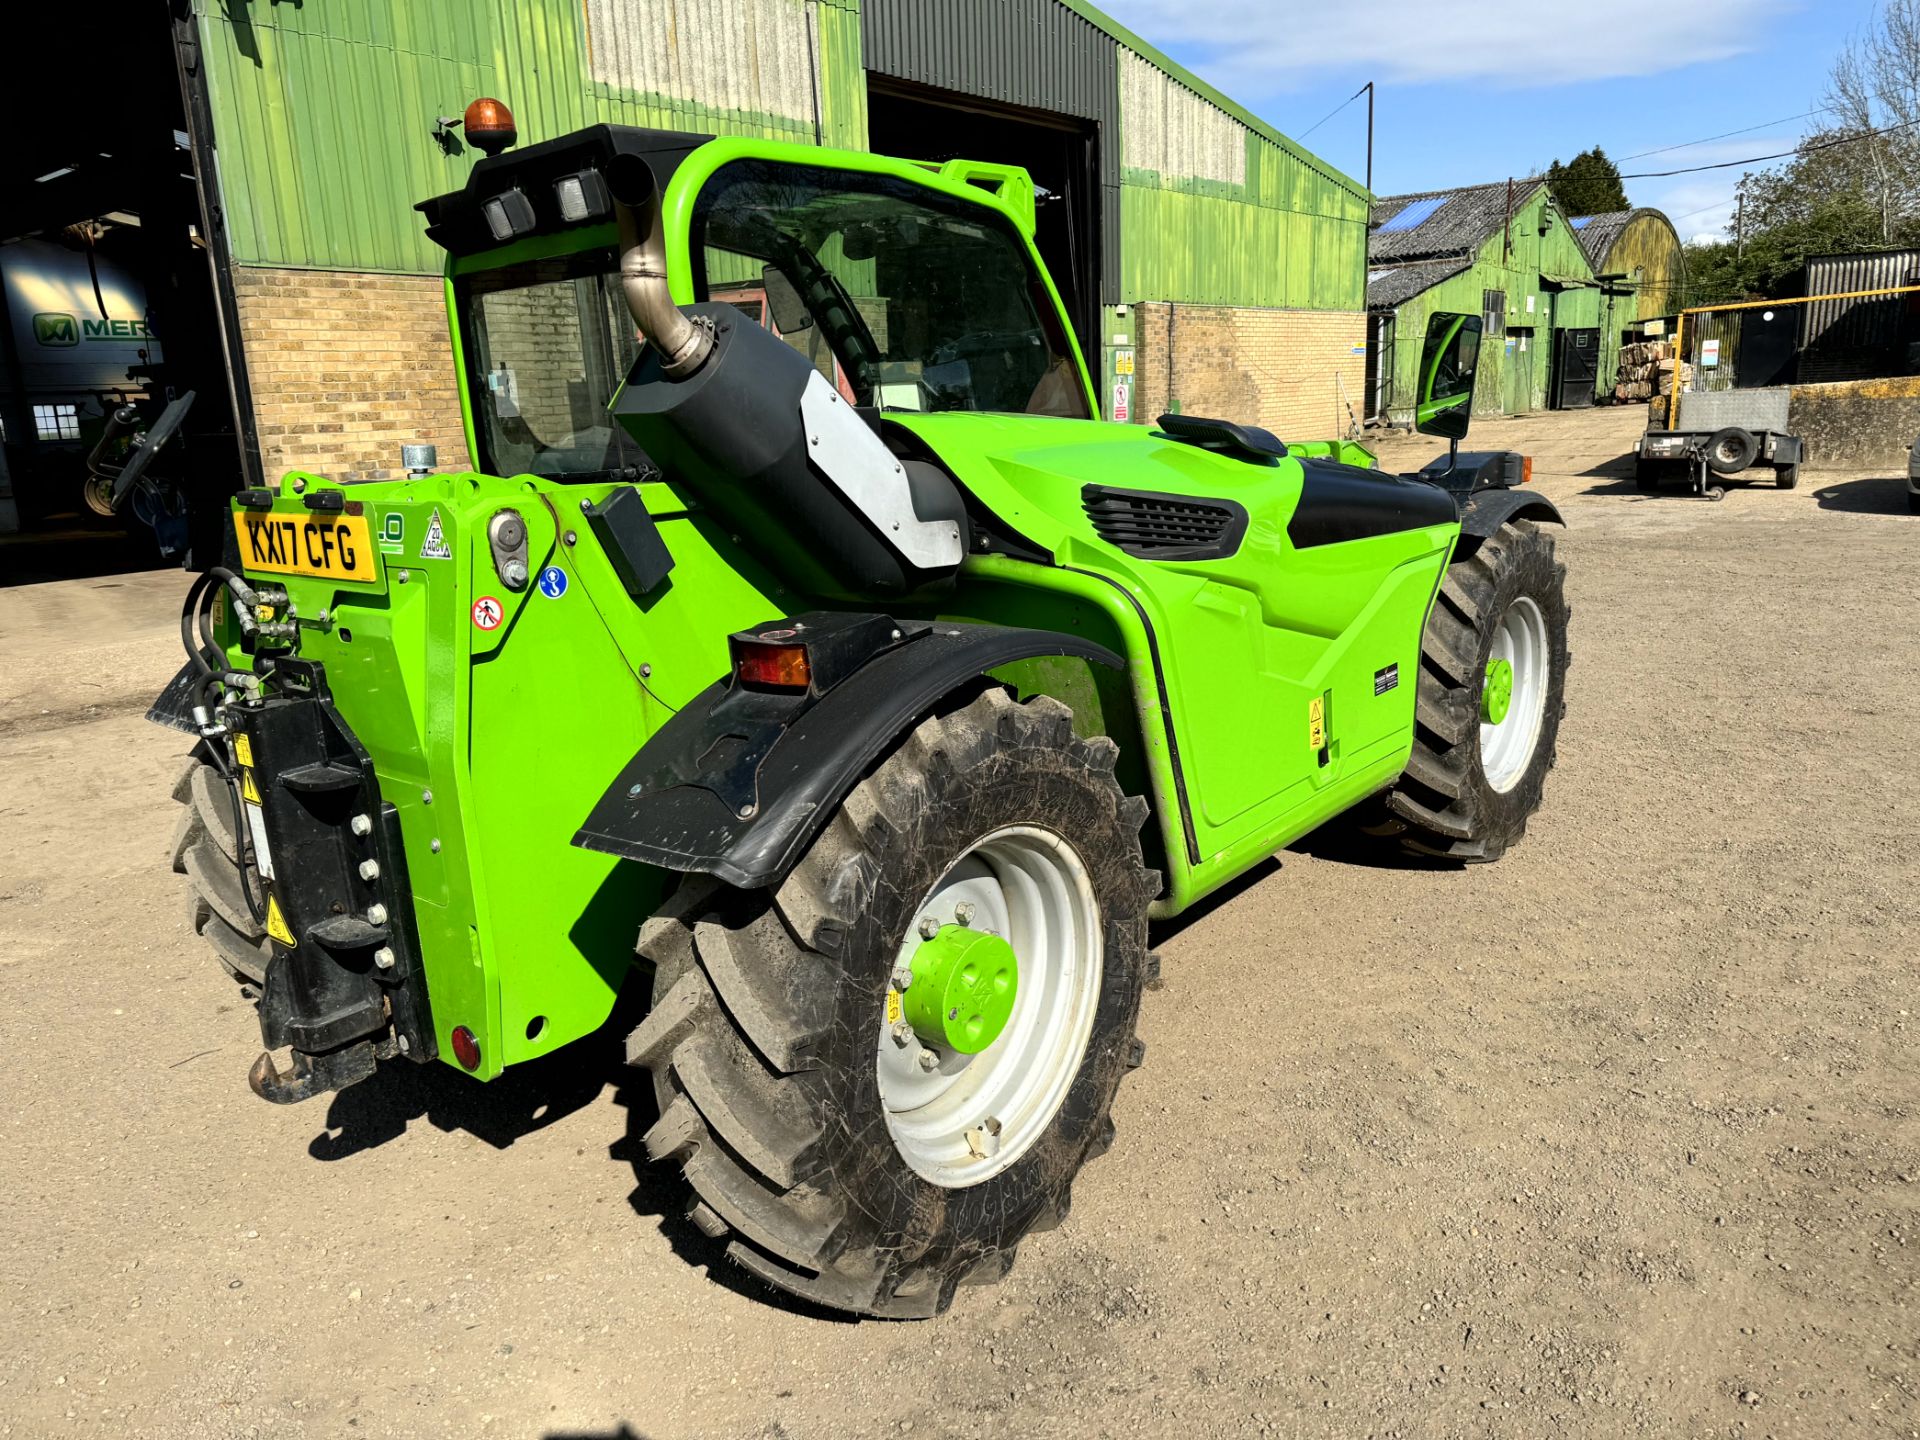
x,y
682,344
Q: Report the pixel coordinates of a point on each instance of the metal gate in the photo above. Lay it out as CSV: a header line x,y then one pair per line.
x,y
1380,358
1576,368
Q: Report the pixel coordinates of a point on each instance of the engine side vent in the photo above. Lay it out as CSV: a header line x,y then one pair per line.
x,y
1156,526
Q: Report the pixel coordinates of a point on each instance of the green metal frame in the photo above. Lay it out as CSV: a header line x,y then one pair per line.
x,y
1252,708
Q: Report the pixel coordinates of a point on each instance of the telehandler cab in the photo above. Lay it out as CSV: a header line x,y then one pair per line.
x,y
848,661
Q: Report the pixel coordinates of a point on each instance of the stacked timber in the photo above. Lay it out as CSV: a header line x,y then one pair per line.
x,y
1647,370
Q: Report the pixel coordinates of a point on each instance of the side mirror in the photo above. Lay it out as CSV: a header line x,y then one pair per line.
x,y
1447,363
789,311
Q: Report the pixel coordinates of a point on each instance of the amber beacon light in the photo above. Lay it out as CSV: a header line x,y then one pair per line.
x,y
489,125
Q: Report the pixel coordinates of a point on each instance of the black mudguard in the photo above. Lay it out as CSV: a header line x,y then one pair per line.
x,y
1485,511
737,789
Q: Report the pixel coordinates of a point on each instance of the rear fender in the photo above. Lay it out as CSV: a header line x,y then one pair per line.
x,y
738,783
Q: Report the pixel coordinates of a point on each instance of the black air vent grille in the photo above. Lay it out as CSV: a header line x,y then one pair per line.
x,y
1154,526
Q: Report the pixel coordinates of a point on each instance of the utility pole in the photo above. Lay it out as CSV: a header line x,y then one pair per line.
x,y
1740,227
1369,137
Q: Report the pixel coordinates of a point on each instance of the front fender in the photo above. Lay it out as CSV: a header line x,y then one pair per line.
x,y
1485,511
666,808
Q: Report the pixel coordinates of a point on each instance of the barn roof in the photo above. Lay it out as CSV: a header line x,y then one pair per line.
x,y
1391,285
1434,223
1597,233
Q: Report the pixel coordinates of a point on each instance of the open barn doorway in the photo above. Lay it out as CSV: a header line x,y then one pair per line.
x,y
1059,151
114,294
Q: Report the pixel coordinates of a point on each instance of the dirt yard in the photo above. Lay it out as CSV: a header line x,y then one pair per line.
x,y
1618,1137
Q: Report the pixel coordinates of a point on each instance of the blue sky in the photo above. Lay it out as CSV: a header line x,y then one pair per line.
x,y
1477,90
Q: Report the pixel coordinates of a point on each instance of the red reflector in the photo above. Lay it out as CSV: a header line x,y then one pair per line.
x,y
466,1049
1526,469
784,667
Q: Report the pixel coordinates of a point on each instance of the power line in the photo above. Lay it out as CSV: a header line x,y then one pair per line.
x,y
1333,112
1728,135
1759,159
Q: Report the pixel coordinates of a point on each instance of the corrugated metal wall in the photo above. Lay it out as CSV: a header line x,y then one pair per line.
x,y
1215,212
1033,53
324,117
324,113
1860,339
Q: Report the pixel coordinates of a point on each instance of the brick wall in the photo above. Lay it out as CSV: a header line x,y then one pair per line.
x,y
1278,368
347,367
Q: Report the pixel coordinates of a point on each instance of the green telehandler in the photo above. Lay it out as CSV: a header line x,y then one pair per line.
x,y
845,663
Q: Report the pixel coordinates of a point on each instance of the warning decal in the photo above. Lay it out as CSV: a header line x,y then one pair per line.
x,y
243,749
895,1011
434,546
249,791
277,924
1316,724
487,613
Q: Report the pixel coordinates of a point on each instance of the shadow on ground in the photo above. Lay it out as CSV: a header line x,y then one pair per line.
x,y
1865,497
526,1098
76,550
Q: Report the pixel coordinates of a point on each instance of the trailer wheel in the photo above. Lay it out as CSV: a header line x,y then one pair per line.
x,y
1731,450
207,850
1493,674
884,1074
1786,477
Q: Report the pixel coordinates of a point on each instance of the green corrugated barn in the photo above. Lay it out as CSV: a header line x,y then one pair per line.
x,y
1210,264
1504,252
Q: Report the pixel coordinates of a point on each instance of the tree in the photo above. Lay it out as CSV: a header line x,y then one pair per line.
x,y
1875,87
1852,187
1589,184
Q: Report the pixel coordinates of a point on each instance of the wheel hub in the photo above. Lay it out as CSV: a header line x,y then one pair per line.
x,y
1496,694
962,989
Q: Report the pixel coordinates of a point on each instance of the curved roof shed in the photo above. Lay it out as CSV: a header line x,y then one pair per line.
x,y
1643,246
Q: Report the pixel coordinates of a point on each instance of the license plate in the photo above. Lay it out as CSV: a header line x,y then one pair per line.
x,y
334,547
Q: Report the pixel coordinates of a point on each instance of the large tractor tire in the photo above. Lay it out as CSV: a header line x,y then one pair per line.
x,y
1493,675
810,1046
207,849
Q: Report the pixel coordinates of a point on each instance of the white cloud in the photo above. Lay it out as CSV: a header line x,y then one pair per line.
x,y
1254,48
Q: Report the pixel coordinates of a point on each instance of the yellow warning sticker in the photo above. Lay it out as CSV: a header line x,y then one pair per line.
x,y
1316,724
894,1008
248,790
277,924
243,749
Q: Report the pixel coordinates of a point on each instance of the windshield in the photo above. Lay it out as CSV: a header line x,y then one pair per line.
x,y
925,302
548,342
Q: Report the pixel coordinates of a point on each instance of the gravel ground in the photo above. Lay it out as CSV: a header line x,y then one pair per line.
x,y
1616,1137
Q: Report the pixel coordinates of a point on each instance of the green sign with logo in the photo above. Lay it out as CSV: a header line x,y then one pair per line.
x,y
59,329
51,327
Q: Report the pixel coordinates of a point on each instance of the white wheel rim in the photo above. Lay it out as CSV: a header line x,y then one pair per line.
x,y
1506,749
975,1115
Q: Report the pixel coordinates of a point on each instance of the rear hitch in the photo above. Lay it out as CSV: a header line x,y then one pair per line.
x,y
310,1075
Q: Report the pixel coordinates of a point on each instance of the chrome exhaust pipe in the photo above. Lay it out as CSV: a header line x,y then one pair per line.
x,y
682,344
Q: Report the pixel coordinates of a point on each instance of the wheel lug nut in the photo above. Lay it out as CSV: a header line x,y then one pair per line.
x,y
369,869
902,1033
929,1061
384,958
963,912
929,927
361,824
902,977
376,914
